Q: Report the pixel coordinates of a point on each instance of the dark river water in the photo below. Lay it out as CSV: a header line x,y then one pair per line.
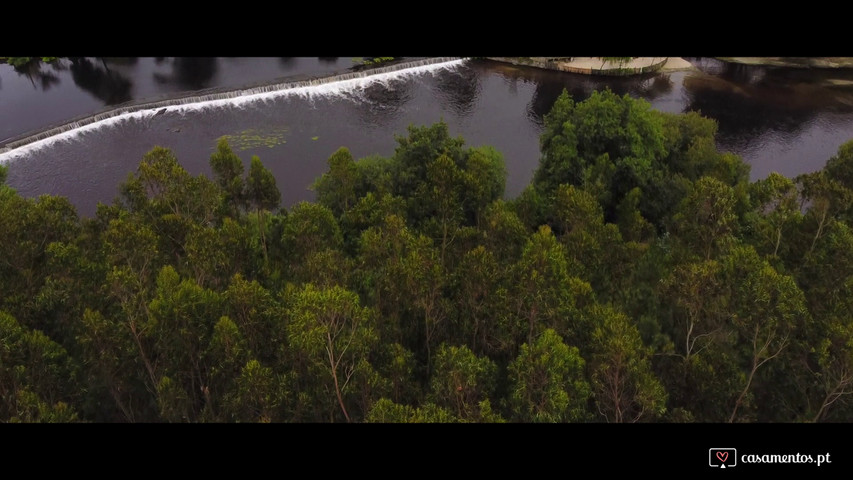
x,y
785,120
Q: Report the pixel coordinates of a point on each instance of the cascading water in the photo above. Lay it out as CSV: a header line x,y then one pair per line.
x,y
334,85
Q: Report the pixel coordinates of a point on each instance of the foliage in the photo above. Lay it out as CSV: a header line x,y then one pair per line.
x,y
640,277
21,61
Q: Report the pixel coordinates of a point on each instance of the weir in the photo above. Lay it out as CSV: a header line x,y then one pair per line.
x,y
17,147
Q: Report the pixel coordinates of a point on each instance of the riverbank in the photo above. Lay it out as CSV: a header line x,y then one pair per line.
x,y
597,66
793,62
641,65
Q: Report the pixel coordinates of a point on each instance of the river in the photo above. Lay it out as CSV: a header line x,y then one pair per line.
x,y
778,119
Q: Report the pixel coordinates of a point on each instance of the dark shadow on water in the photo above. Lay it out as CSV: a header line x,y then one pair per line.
x,y
123,61
289,63
95,77
779,102
189,73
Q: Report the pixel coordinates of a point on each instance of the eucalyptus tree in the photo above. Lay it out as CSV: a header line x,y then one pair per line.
x,y
332,335
548,382
463,384
262,194
624,387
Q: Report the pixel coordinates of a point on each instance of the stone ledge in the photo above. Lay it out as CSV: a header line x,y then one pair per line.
x,y
589,65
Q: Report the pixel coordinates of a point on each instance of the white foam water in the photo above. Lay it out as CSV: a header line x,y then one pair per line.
x,y
337,85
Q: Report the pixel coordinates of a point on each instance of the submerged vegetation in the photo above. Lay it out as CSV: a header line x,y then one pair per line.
x,y
254,138
641,277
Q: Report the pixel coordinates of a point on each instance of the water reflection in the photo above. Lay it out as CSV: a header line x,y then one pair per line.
x,y
657,86
459,90
96,78
190,73
810,88
780,100
122,61
40,74
548,85
543,99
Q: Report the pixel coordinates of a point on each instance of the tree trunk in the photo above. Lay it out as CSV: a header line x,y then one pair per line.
x,y
778,240
333,364
819,230
261,229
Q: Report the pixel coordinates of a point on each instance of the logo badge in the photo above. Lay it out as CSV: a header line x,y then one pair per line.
x,y
722,457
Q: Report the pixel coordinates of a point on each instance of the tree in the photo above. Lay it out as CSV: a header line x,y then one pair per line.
x,y
228,174
620,60
443,190
828,197
503,231
768,308
831,349
386,411
623,385
481,300
776,199
163,190
632,225
462,382
254,397
181,320
547,382
595,250
697,299
31,291
425,280
37,377
484,181
215,254
544,294
262,194
397,363
331,332
607,143
257,316
705,220
336,189
369,211
840,166
818,357
415,152
308,229
118,385
226,354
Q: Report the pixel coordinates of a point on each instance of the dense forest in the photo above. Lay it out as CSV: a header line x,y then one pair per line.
x,y
640,277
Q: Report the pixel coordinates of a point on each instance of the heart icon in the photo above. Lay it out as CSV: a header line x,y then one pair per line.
x,y
723,456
